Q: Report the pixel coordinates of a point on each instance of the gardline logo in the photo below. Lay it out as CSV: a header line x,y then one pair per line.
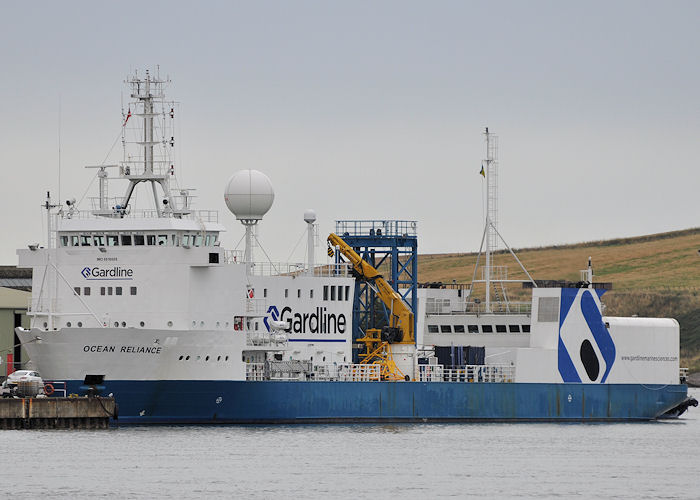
x,y
113,273
319,321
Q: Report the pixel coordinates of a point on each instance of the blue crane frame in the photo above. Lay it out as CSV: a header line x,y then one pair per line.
x,y
376,241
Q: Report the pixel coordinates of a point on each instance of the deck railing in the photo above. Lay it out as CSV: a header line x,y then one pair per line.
x,y
468,373
349,372
476,308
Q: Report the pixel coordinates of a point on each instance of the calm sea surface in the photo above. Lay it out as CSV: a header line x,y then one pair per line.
x,y
643,460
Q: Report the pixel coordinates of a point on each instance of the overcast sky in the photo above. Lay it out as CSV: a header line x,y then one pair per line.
x,y
372,110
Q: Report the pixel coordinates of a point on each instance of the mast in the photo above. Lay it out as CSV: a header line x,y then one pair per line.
x,y
148,140
491,209
494,277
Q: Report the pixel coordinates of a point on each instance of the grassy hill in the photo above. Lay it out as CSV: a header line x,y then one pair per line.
x,y
654,276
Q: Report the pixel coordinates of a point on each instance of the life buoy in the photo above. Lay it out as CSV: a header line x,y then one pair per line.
x,y
48,389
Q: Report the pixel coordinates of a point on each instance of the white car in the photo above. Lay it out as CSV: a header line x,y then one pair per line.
x,y
28,375
9,386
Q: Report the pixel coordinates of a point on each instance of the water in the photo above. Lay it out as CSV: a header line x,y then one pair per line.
x,y
641,460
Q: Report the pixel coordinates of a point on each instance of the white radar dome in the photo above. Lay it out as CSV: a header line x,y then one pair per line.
x,y
249,194
310,216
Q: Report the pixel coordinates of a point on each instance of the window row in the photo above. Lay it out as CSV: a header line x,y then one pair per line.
x,y
475,329
330,292
286,293
79,324
104,290
336,292
184,357
139,239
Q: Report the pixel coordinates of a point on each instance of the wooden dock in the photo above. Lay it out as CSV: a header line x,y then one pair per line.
x,y
57,413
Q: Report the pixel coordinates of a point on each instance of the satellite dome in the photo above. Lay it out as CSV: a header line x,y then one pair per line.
x,y
249,194
310,216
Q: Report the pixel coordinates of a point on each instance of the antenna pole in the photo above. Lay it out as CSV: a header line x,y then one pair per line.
x,y
59,148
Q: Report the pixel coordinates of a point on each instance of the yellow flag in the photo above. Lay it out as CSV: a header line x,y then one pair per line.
x,y
483,173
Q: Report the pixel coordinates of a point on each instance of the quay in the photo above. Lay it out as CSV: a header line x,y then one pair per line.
x,y
57,413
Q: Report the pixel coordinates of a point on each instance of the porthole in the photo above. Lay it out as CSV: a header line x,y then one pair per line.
x,y
123,324
218,358
68,324
324,358
199,357
218,324
80,324
142,324
180,358
170,323
187,358
116,324
227,324
226,359
206,359
201,323
45,324
194,323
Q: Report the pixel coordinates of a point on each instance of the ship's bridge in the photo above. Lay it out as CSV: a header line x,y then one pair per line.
x,y
110,232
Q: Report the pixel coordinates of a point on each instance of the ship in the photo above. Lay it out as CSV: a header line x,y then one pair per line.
x,y
144,304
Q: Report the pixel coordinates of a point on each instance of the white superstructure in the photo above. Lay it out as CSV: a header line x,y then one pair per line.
x,y
120,286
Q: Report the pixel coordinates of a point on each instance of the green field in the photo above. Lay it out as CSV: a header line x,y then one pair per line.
x,y
654,276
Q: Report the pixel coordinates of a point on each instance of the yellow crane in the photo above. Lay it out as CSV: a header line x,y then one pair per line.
x,y
400,329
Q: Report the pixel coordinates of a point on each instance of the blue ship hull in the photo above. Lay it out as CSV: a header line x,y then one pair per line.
x,y
186,401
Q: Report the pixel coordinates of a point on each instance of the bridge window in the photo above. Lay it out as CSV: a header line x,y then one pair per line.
x,y
487,329
473,328
265,292
109,290
112,240
102,290
85,240
162,239
99,240
139,239
64,241
445,329
86,290
340,293
501,328
126,240
77,290
526,328
459,328
333,292
325,292
298,293
133,290
311,294
198,240
150,239
118,290
514,328
286,293
74,240
432,328
347,292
